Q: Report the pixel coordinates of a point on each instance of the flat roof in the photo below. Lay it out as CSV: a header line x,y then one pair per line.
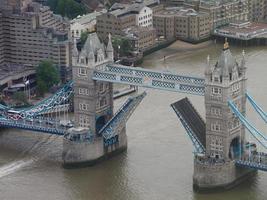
x,y
242,30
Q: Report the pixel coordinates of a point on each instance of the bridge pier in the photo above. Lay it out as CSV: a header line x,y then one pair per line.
x,y
218,176
82,153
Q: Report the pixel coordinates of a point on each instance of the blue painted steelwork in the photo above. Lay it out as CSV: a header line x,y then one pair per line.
x,y
21,124
60,97
260,137
111,141
118,121
259,110
150,79
197,144
251,165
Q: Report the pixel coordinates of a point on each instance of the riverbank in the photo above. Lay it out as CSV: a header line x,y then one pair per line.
x,y
180,48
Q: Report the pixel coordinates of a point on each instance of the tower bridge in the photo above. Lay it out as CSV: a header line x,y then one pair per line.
x,y
222,155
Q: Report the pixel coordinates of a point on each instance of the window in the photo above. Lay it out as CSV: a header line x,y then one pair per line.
x,y
216,111
103,101
235,87
82,72
83,106
83,91
84,121
101,87
215,126
216,91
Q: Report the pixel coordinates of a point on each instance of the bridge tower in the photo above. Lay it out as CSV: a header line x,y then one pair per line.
x,y
93,105
225,135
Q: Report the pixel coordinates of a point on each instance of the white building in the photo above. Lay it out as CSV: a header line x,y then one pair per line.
x,y
85,23
145,17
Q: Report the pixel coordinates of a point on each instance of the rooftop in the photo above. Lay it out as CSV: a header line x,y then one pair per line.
x,y
242,30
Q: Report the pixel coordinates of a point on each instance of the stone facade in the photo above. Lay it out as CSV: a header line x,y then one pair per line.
x,y
93,106
185,24
221,12
225,135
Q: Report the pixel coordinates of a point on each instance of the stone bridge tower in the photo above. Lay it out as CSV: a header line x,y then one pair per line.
x,y
225,135
93,106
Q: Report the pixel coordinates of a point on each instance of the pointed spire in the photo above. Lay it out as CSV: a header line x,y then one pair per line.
x,y
110,50
208,69
75,52
109,46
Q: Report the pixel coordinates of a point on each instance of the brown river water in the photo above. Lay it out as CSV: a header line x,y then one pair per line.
x,y
158,164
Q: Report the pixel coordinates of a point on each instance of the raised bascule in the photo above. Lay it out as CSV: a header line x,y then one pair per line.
x,y
222,157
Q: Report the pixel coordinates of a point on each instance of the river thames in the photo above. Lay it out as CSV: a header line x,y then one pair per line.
x,y
159,161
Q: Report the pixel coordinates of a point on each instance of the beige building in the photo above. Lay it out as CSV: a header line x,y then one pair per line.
x,y
221,12
84,23
142,38
26,38
184,24
122,16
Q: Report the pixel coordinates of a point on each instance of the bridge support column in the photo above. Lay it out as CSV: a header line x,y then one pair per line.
x,y
79,152
209,176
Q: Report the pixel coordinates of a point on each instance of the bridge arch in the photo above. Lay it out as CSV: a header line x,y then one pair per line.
x,y
234,149
100,122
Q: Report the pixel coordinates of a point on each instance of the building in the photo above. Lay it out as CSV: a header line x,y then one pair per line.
x,y
257,10
123,16
142,38
242,30
12,75
28,37
184,24
221,12
85,23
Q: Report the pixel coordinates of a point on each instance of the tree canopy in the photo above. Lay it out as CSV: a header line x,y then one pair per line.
x,y
47,76
66,8
122,45
20,97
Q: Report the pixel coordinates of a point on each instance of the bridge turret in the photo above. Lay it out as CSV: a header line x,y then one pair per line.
x,y
225,136
222,127
93,108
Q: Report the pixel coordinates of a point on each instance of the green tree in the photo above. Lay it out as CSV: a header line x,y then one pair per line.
x,y
47,76
122,45
20,97
66,8
84,36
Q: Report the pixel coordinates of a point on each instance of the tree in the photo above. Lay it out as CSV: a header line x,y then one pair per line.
x,y
122,45
66,8
47,76
84,36
20,97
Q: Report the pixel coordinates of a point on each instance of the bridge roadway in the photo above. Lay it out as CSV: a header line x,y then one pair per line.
x,y
149,78
45,125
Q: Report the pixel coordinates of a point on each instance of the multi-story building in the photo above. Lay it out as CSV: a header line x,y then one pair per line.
x,y
85,23
185,24
257,10
27,38
122,16
221,12
141,38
